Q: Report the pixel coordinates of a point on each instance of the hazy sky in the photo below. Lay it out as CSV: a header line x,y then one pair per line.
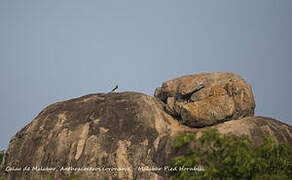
x,y
55,50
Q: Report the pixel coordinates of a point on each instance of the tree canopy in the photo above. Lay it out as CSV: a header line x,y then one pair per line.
x,y
1,157
218,156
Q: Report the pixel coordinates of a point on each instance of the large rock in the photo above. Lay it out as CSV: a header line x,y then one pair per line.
x,y
119,130
207,99
254,128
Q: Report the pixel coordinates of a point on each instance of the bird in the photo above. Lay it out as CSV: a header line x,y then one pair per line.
x,y
115,89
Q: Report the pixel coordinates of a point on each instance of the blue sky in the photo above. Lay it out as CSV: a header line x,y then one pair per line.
x,y
56,50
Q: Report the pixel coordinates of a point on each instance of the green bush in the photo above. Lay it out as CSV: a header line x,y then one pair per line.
x,y
72,178
230,157
1,157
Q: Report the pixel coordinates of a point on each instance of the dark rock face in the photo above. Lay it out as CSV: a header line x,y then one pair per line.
x,y
118,130
207,99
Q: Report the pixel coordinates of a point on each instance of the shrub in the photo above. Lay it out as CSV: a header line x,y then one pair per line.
x,y
72,178
1,157
230,157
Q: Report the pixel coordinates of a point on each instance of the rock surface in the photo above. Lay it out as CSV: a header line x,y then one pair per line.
x,y
118,130
207,99
254,128
123,130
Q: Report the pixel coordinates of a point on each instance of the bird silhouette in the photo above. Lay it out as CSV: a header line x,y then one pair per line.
x,y
115,89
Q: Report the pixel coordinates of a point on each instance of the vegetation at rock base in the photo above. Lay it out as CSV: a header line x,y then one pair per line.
x,y
230,157
1,157
72,178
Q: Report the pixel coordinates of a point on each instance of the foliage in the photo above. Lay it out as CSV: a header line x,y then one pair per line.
x,y
230,157
72,178
1,157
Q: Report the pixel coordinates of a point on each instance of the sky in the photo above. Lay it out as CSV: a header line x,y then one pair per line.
x,y
55,50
